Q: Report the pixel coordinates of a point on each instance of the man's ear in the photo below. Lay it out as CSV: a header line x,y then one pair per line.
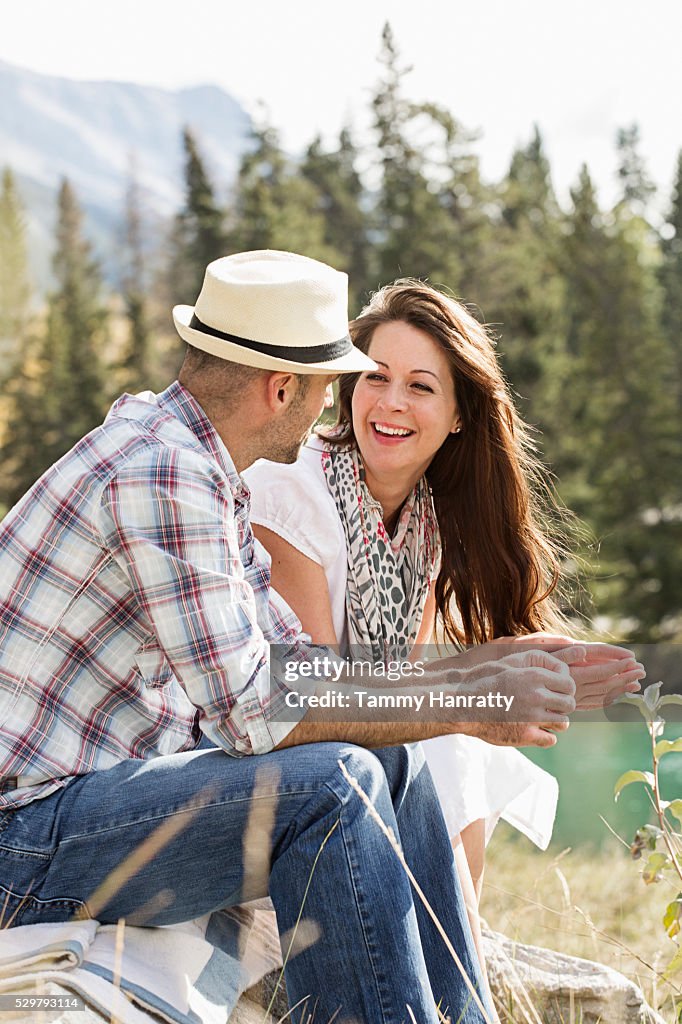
x,y
280,389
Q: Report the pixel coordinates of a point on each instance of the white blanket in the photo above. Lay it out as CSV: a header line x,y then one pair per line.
x,y
190,973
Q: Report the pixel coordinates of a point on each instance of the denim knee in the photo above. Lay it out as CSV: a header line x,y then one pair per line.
x,y
366,768
404,766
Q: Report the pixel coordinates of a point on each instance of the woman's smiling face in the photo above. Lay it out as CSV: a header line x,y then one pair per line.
x,y
404,411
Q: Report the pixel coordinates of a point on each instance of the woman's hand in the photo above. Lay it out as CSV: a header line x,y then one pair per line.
x,y
604,674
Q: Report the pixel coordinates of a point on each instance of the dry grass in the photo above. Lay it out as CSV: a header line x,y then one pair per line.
x,y
583,902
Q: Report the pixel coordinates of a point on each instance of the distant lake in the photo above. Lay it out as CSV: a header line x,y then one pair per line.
x,y
587,761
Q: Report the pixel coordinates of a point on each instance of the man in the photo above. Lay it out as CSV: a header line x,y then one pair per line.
x,y
135,624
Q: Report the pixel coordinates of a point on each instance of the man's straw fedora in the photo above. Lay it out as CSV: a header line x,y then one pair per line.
x,y
273,310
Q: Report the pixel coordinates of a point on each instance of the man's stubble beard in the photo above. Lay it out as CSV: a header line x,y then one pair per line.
x,y
279,443
284,450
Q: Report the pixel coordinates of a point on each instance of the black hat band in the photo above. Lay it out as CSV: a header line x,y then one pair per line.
x,y
305,354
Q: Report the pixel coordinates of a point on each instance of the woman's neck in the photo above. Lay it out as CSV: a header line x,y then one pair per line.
x,y
391,495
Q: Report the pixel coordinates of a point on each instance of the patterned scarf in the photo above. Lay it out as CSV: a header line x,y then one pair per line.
x,y
388,577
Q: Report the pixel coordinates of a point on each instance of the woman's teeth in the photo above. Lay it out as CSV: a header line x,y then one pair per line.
x,y
392,431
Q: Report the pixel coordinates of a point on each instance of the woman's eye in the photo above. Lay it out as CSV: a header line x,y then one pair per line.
x,y
422,387
375,377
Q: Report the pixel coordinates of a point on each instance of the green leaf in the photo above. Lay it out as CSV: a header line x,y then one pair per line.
x,y
674,967
671,918
632,776
645,838
675,807
638,702
664,747
654,866
650,834
670,698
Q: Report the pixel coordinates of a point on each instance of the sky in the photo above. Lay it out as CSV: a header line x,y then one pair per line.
x,y
578,69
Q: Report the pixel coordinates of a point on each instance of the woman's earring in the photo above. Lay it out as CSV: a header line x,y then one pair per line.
x,y
456,430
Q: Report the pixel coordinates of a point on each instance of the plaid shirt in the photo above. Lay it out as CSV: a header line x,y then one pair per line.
x,y
135,605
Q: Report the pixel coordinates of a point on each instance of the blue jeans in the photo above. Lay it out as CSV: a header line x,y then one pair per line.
x,y
224,830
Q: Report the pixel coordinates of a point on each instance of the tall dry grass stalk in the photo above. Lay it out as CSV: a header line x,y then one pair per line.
x,y
388,832
294,930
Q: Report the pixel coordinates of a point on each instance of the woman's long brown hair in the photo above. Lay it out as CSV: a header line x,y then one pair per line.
x,y
493,502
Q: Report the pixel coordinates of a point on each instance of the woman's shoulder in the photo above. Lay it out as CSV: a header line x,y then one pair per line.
x,y
264,477
310,456
293,501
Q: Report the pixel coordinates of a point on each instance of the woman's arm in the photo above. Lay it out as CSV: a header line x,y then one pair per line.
x,y
302,583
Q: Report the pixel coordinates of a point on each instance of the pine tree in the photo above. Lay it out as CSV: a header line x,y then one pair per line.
x,y
15,286
523,289
341,202
465,199
671,281
621,461
57,396
259,191
22,450
76,328
276,206
586,258
16,337
528,193
198,235
414,237
637,186
134,280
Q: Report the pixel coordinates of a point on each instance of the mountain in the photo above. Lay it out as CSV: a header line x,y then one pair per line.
x,y
91,131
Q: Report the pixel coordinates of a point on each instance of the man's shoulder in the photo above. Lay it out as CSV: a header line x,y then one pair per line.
x,y
148,445
174,422
164,460
143,420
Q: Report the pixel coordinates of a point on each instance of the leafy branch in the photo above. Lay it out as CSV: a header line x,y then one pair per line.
x,y
662,841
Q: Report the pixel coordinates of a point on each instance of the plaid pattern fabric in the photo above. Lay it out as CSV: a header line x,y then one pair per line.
x,y
134,604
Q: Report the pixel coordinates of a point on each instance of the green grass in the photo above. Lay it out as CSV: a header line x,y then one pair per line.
x,y
583,902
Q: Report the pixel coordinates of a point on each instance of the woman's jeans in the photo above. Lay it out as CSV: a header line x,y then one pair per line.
x,y
170,839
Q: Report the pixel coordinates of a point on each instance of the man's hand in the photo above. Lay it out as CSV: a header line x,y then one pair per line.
x,y
542,688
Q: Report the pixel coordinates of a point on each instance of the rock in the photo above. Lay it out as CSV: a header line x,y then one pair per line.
x,y
248,1012
261,996
562,988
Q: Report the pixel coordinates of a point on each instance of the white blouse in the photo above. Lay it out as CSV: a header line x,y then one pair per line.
x,y
473,779
293,502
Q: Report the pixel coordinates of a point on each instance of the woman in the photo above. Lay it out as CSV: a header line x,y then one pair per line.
x,y
420,509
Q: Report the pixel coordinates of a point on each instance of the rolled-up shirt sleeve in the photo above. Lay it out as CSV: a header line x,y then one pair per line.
x,y
168,518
